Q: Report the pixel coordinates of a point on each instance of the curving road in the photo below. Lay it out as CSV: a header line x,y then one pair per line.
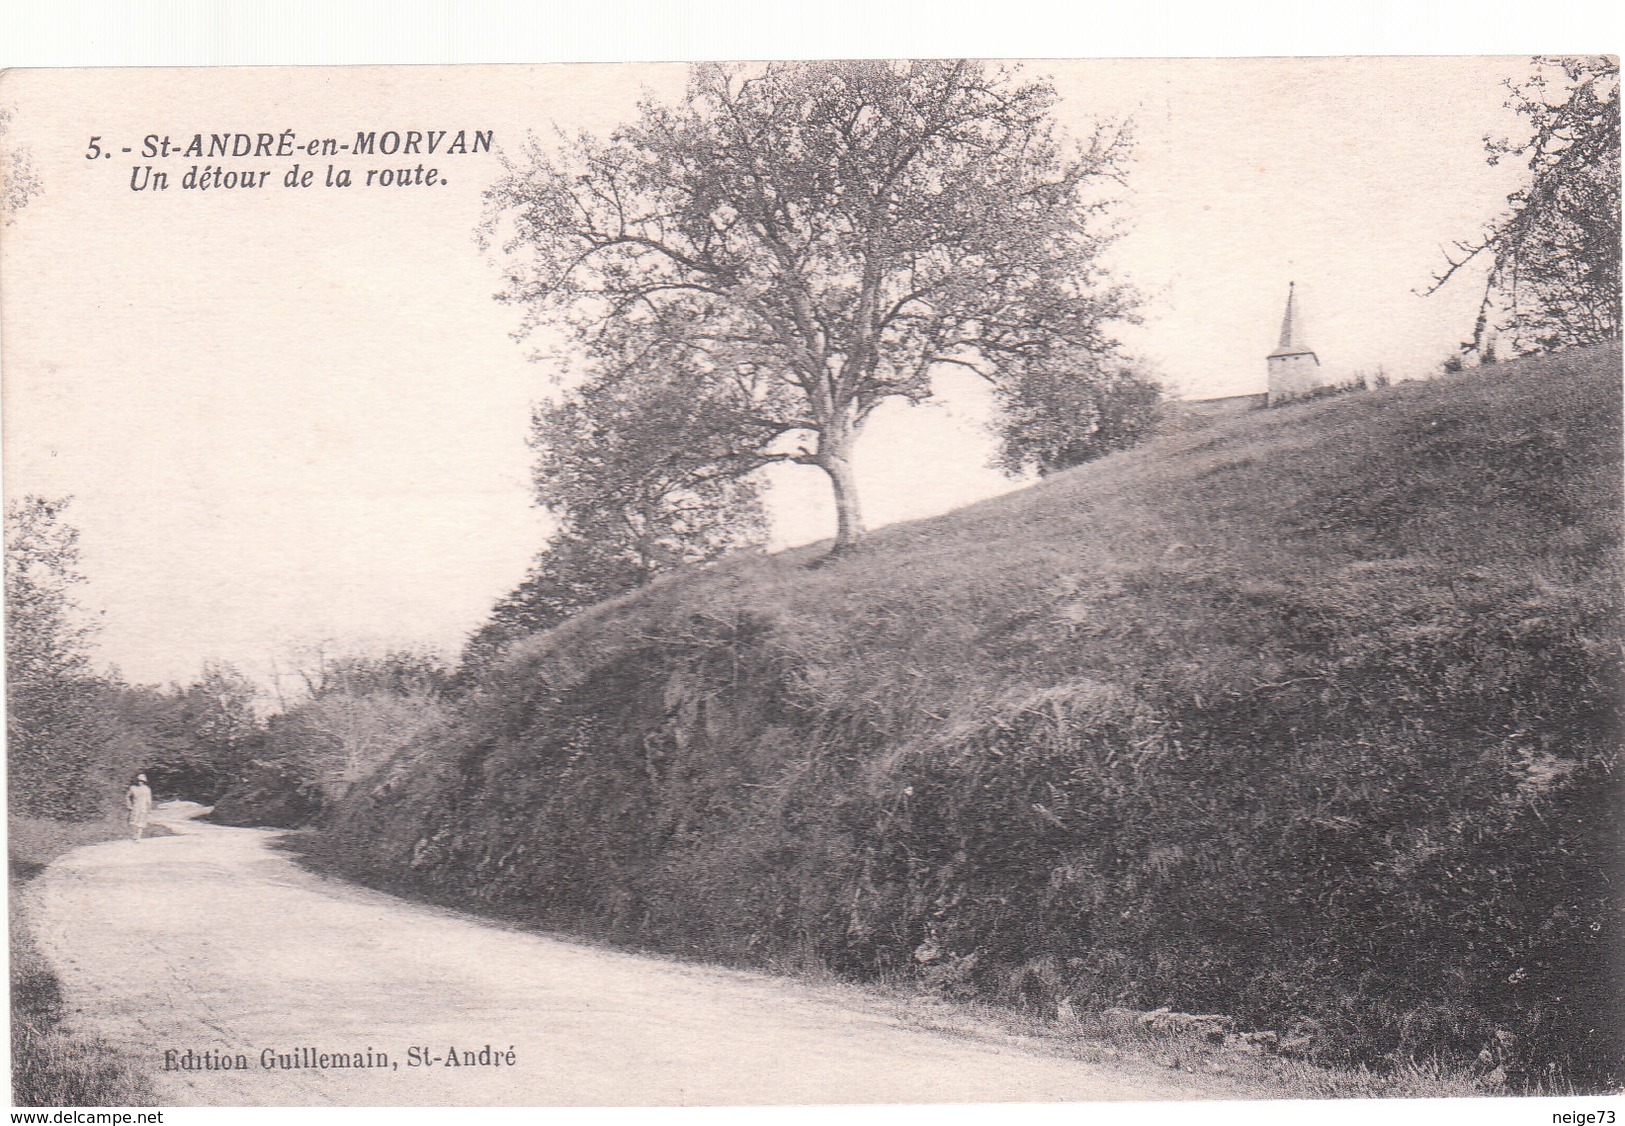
x,y
210,941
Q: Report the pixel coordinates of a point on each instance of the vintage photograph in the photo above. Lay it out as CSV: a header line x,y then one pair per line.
x,y
787,583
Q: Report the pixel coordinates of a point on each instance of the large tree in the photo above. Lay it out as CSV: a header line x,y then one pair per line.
x,y
803,241
1553,279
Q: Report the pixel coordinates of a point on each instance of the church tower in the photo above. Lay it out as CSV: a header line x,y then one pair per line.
x,y
1294,367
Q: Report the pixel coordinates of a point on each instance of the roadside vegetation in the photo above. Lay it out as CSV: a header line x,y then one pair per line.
x,y
352,713
50,1067
76,737
1306,718
1097,1038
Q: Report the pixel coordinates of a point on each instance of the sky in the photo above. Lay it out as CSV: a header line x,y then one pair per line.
x,y
296,415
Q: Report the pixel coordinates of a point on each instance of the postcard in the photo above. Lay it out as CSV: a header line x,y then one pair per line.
x,y
802,583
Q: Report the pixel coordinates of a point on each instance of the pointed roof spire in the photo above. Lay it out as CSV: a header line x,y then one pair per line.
x,y
1292,340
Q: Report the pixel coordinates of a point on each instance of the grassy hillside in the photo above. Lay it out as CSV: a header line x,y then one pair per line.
x,y
1306,717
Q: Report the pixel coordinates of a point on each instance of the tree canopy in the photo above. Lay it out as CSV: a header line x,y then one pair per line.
x,y
795,243
642,478
66,754
1059,415
648,466
1553,279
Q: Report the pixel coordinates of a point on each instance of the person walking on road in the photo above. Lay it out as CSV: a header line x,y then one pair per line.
x,y
139,802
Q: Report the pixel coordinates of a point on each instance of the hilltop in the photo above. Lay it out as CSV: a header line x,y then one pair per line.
x,y
1307,717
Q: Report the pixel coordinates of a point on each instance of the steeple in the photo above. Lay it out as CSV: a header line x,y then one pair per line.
x,y
1292,341
1293,367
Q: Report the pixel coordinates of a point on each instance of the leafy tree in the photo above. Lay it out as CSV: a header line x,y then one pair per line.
x,y
651,467
1054,420
644,471
339,738
799,242
212,731
46,637
166,749
356,712
65,754
403,672
1554,257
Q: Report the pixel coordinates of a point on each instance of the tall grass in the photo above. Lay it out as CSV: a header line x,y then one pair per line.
x,y
1307,717
51,1067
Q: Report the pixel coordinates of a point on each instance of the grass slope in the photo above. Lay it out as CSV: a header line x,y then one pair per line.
x,y
1306,717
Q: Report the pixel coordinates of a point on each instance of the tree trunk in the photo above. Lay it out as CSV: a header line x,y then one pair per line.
x,y
835,458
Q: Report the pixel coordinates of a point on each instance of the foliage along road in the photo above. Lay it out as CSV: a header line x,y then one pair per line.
x,y
211,942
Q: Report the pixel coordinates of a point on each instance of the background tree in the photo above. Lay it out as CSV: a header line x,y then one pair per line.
x,y
361,710
66,754
651,465
644,471
46,636
357,710
215,730
1554,257
642,474
1053,420
800,242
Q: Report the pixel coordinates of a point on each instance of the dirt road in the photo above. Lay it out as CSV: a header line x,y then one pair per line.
x,y
213,943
